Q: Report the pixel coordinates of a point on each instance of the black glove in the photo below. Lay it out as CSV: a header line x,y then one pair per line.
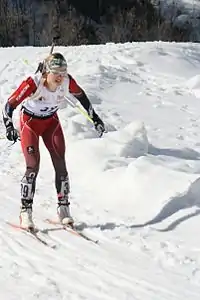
x,y
99,125
12,133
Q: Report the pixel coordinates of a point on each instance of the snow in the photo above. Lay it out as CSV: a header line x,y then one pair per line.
x,y
136,189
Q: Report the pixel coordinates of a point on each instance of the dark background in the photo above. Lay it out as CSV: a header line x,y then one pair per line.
x,y
75,22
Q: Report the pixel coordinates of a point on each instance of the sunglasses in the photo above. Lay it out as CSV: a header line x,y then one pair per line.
x,y
61,73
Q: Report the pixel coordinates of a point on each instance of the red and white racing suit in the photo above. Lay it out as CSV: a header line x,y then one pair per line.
x,y
38,117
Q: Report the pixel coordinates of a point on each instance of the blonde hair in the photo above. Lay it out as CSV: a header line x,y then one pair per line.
x,y
54,61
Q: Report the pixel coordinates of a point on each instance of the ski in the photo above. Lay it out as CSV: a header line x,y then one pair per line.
x,y
33,233
72,230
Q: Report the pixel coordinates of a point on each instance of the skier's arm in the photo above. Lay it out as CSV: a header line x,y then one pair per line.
x,y
79,93
26,88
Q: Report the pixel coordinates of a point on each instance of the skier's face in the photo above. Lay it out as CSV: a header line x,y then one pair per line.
x,y
56,78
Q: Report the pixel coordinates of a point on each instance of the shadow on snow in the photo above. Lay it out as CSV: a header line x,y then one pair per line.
x,y
190,199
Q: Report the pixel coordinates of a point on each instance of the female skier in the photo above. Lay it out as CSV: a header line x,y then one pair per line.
x,y
41,96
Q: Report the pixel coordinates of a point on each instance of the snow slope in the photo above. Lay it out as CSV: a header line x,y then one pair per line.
x,y
136,190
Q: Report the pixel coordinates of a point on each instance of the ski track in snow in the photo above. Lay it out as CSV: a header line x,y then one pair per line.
x,y
136,190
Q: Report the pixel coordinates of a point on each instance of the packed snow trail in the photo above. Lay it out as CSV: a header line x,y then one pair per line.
x,y
136,190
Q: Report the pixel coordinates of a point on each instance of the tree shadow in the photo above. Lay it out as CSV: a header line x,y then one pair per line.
x,y
47,230
179,221
102,227
175,204
190,199
81,226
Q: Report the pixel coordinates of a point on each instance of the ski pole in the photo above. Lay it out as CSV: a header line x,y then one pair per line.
x,y
75,105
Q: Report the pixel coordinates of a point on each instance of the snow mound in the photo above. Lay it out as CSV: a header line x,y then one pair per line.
x,y
194,82
131,141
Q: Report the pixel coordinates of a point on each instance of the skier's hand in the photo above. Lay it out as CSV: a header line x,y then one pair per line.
x,y
12,133
99,125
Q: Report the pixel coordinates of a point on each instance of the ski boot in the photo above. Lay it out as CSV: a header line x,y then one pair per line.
x,y
64,214
26,220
